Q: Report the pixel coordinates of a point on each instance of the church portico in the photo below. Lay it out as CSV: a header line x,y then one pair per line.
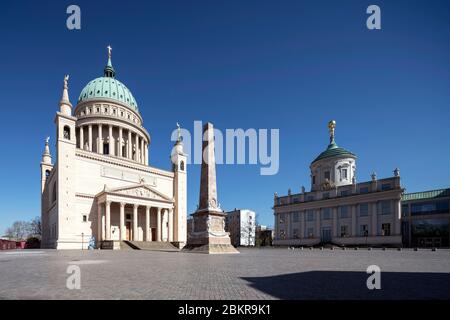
x,y
136,213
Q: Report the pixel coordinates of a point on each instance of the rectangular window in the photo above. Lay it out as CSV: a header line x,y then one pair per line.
x,y
310,215
345,193
364,230
84,218
295,217
296,236
385,207
386,186
314,179
326,214
364,190
386,229
310,232
344,174
327,175
326,195
363,209
344,231
310,198
343,212
295,200
282,217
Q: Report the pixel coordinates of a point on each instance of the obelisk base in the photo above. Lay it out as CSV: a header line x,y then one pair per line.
x,y
208,234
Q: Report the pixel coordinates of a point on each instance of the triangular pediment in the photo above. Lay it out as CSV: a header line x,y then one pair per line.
x,y
141,191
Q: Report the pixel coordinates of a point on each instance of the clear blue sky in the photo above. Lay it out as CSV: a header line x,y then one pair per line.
x,y
291,65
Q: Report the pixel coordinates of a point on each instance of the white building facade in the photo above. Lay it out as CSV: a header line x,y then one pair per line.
x,y
100,184
241,224
338,210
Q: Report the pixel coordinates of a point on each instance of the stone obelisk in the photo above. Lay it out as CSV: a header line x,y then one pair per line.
x,y
208,230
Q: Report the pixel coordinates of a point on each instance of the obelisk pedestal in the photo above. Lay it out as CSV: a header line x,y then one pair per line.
x,y
208,231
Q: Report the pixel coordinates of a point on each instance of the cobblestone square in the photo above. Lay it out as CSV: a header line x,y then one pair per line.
x,y
253,274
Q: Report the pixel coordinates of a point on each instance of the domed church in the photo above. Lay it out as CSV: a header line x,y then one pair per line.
x,y
100,189
338,210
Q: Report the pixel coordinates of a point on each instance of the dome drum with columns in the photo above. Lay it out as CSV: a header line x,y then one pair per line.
x,y
109,121
101,188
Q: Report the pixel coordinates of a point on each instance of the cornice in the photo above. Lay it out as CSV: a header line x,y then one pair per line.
x,y
122,163
341,201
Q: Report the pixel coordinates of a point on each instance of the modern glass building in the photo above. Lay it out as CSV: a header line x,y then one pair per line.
x,y
426,218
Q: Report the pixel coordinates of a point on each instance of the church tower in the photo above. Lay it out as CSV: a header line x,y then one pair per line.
x,y
180,191
46,165
65,146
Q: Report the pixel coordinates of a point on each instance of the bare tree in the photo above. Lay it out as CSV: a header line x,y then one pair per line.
x,y
248,228
35,227
19,230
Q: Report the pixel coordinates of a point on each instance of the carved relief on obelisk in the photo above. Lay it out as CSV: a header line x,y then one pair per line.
x,y
208,233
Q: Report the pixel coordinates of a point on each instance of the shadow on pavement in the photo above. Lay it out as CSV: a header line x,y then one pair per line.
x,y
352,285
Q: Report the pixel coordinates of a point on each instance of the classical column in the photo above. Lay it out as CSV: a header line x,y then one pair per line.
x,y
100,139
146,153
148,236
108,220
90,137
158,226
302,224
122,222
100,229
81,137
317,212
170,225
353,208
141,151
135,222
374,219
111,141
335,233
130,146
136,158
120,142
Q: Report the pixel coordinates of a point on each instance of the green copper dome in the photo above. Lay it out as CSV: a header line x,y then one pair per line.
x,y
108,87
333,150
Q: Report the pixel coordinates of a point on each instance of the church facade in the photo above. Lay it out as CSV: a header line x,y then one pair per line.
x,y
101,186
339,210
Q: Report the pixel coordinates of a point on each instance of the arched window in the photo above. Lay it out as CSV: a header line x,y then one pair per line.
x,y
182,166
47,173
66,132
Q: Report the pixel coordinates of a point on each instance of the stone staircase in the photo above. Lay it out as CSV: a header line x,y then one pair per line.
x,y
150,246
